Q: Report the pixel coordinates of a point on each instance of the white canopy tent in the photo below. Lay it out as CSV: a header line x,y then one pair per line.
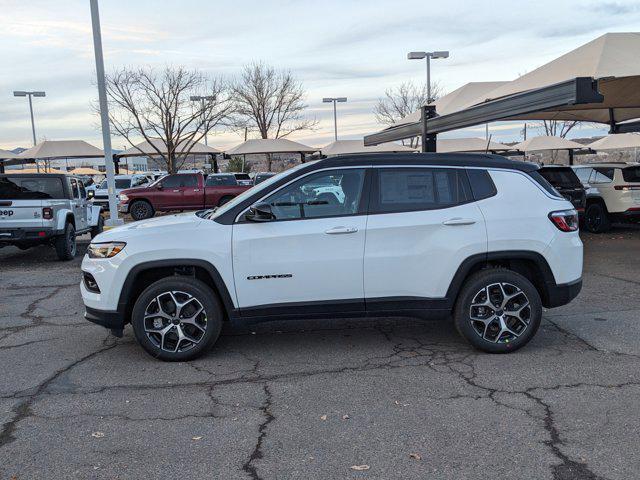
x,y
157,147
469,145
543,142
597,82
60,149
616,141
270,145
344,147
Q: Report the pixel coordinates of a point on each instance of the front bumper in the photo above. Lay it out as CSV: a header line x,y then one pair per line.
x,y
558,295
112,320
123,207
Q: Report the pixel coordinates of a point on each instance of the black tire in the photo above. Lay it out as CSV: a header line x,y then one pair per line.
x,y
224,200
489,335
141,210
65,244
181,287
596,218
98,229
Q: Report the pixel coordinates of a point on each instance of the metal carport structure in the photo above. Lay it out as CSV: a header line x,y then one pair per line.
x,y
597,82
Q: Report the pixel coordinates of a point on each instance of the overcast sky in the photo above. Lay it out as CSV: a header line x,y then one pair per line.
x,y
355,49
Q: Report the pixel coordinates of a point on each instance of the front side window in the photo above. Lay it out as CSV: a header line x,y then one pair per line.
x,y
411,189
83,191
329,193
177,181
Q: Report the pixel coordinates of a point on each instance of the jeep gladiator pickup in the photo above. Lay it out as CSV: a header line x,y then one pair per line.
x,y
180,191
43,208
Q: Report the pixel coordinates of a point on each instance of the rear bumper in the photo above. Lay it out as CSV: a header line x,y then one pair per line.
x,y
31,234
558,295
112,320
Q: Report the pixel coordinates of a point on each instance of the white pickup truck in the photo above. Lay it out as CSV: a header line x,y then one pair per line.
x,y
51,209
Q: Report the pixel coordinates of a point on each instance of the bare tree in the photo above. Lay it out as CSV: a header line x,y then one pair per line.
x,y
557,128
270,102
400,101
156,105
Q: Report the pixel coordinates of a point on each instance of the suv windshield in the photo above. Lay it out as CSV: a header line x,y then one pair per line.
x,y
631,174
30,188
564,176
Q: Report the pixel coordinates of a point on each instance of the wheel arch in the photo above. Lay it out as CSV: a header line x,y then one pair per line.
x,y
140,276
65,216
532,265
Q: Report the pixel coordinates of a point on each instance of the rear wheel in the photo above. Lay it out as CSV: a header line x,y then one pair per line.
x,y
498,310
177,318
596,218
141,210
66,243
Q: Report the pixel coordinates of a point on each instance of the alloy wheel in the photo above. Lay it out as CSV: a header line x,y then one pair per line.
x,y
500,312
71,240
175,321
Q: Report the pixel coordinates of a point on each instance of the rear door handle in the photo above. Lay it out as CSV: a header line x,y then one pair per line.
x,y
341,230
176,191
459,221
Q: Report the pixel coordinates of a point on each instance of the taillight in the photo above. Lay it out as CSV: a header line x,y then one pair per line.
x,y
565,220
47,213
627,187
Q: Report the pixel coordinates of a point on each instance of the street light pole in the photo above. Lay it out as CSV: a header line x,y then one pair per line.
x,y
22,93
104,117
202,99
334,100
428,56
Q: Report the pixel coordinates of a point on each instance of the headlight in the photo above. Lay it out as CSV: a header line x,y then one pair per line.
x,y
91,194
105,250
123,197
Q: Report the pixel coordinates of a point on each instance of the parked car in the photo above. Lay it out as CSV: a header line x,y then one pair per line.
x,y
567,183
52,209
480,237
101,193
614,194
243,178
180,191
262,176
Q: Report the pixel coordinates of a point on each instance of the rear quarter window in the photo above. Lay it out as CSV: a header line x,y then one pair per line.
x,y
631,174
540,180
481,184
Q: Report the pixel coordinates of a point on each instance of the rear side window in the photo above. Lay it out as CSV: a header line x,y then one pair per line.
x,y
601,175
411,189
74,188
218,180
631,174
25,188
481,184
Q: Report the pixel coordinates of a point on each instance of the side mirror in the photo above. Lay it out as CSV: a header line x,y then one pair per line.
x,y
260,212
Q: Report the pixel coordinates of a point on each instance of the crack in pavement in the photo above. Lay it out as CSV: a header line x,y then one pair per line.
x,y
257,454
23,410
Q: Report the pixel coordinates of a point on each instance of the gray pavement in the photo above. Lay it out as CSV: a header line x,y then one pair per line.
x,y
370,399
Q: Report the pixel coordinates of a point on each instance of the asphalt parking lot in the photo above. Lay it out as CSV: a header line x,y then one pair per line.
x,y
383,399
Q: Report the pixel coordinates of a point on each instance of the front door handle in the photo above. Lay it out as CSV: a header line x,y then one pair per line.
x,y
176,191
341,230
459,221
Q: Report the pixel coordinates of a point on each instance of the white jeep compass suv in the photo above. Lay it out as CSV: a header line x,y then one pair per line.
x,y
480,237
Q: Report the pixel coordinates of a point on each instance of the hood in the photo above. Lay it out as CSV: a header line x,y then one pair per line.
x,y
134,190
158,226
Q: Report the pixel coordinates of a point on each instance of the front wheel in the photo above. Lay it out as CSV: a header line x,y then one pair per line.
x,y
66,243
177,318
141,210
498,310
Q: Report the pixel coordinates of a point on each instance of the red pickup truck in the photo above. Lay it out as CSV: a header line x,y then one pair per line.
x,y
180,191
